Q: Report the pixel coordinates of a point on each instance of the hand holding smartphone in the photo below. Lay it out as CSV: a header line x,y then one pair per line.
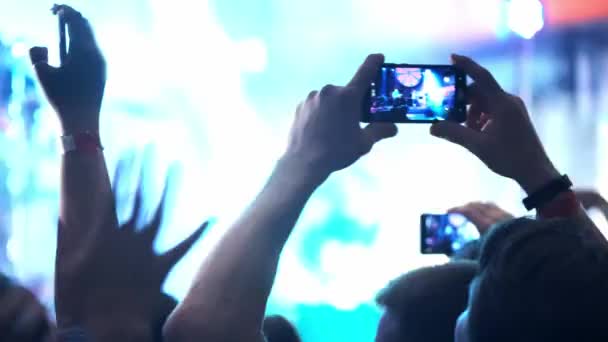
x,y
445,234
416,93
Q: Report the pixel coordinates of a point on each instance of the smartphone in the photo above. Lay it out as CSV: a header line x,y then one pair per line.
x,y
416,93
445,234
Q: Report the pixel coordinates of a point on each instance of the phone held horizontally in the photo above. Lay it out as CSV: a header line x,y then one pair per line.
x,y
445,234
416,93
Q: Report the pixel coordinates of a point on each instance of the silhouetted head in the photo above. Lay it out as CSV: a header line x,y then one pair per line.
x,y
539,280
423,305
279,329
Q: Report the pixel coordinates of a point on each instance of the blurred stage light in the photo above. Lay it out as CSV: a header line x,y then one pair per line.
x,y
19,50
254,55
525,17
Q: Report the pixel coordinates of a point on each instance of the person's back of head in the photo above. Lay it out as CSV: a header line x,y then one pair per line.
x,y
539,280
423,305
279,329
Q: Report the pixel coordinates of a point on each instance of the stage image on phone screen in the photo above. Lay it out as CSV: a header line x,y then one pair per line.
x,y
446,234
404,93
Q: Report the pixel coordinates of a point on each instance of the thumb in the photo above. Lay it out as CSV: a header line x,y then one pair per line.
x,y
377,131
40,59
458,134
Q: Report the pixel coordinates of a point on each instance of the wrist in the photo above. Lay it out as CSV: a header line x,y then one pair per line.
x,y
85,141
536,177
299,172
75,127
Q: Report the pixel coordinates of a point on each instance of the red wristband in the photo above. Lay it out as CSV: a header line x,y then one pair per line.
x,y
88,142
564,205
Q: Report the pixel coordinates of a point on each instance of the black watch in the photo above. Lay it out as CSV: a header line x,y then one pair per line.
x,y
548,192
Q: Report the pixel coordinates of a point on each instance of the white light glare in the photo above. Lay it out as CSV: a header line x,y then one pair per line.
x,y
253,55
19,50
525,17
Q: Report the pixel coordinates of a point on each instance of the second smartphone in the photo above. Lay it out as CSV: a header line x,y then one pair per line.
x,y
416,93
446,233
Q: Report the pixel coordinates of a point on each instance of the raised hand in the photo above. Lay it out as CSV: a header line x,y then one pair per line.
x,y
326,135
75,89
238,274
113,277
499,131
483,215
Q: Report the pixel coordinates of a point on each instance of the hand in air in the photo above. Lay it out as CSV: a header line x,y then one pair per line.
x,y
75,89
326,135
115,272
482,215
499,131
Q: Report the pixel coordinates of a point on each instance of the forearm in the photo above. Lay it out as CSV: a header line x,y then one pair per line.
x,y
228,298
86,193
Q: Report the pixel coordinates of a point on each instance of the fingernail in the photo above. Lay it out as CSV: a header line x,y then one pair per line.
x,y
376,56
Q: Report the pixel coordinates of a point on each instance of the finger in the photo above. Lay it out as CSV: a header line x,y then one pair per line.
x,y
475,94
171,257
311,95
476,213
130,225
377,131
478,73
39,54
118,172
79,29
497,213
474,117
56,8
45,73
367,72
458,134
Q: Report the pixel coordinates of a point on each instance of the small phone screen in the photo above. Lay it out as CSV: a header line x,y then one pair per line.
x,y
446,234
416,93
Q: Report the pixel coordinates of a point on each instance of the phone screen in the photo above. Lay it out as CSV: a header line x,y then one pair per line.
x,y
445,234
417,94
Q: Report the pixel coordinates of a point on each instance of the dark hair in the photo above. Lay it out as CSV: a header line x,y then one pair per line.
x,y
540,280
165,306
428,301
279,329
